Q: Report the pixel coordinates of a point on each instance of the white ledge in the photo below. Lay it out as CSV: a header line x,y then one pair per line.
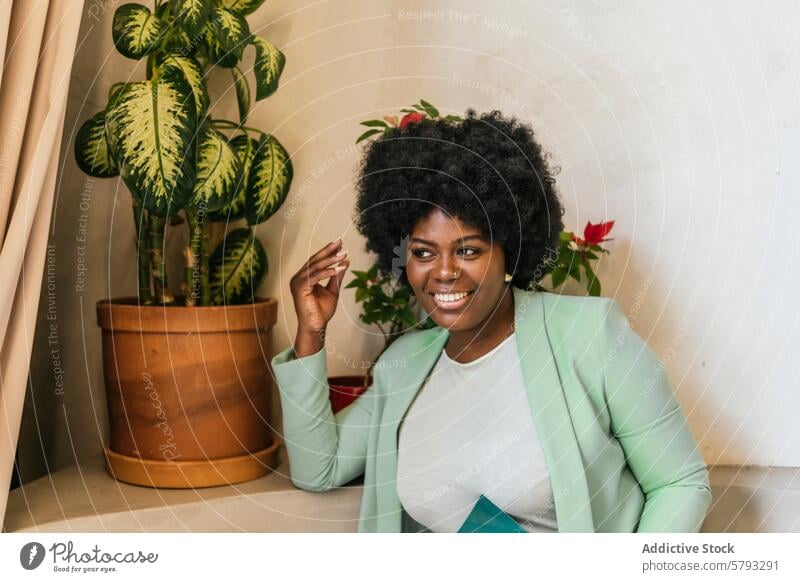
x,y
87,499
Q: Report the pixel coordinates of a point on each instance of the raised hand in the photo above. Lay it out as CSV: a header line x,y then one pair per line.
x,y
314,303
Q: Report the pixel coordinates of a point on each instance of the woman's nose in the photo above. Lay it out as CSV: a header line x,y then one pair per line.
x,y
447,270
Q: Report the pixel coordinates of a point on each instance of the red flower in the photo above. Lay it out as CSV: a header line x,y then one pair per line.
x,y
414,117
594,234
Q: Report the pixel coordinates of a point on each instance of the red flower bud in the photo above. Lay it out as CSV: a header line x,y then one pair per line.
x,y
414,117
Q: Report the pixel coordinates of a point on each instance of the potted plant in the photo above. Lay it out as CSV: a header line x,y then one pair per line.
x,y
393,309
186,376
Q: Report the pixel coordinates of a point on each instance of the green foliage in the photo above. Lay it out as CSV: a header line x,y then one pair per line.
x,y
159,136
245,148
237,263
268,180
575,254
218,172
386,304
390,122
193,14
268,67
91,149
136,31
150,128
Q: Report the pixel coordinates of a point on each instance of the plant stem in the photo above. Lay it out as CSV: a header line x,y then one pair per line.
x,y
192,260
150,65
204,251
140,239
232,125
162,292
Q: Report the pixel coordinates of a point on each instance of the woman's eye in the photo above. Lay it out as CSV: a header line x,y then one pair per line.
x,y
464,251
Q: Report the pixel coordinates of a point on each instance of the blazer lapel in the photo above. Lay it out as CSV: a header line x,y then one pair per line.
x,y
551,415
420,356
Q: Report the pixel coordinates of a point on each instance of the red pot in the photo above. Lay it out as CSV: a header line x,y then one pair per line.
x,y
345,389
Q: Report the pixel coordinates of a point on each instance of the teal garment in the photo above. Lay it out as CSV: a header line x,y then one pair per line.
x,y
486,517
620,453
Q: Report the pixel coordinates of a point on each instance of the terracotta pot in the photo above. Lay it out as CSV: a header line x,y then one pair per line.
x,y
188,392
345,389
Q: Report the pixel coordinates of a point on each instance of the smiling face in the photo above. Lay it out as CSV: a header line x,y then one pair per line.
x,y
455,273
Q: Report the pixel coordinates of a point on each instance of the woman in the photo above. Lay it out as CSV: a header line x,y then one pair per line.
x,y
550,406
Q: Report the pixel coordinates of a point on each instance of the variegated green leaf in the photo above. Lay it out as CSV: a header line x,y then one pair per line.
x,y
193,15
237,267
268,67
226,36
151,129
217,55
180,41
91,149
135,30
242,6
268,181
218,172
191,71
242,93
236,209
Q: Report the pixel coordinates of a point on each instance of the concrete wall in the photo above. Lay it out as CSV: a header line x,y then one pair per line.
x,y
679,120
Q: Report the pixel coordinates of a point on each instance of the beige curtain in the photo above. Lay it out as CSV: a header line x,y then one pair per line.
x,y
37,40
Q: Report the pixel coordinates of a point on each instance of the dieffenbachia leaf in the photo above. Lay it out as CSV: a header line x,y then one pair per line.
x,y
226,35
267,68
151,127
191,71
136,31
178,39
218,172
242,6
216,54
237,267
193,15
236,209
242,93
91,149
268,181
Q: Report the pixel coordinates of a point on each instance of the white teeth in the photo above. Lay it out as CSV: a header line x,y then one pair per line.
x,y
447,297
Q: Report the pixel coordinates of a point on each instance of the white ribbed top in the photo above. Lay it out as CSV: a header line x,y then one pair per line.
x,y
469,431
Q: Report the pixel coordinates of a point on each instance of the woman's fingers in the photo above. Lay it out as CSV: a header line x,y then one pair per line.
x,y
324,252
326,261
324,257
323,273
325,265
335,284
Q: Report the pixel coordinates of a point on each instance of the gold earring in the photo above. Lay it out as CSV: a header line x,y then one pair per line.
x,y
508,278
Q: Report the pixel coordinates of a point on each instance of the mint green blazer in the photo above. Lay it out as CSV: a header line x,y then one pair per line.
x,y
620,453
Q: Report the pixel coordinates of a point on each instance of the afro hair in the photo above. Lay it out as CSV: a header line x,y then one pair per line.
x,y
486,170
